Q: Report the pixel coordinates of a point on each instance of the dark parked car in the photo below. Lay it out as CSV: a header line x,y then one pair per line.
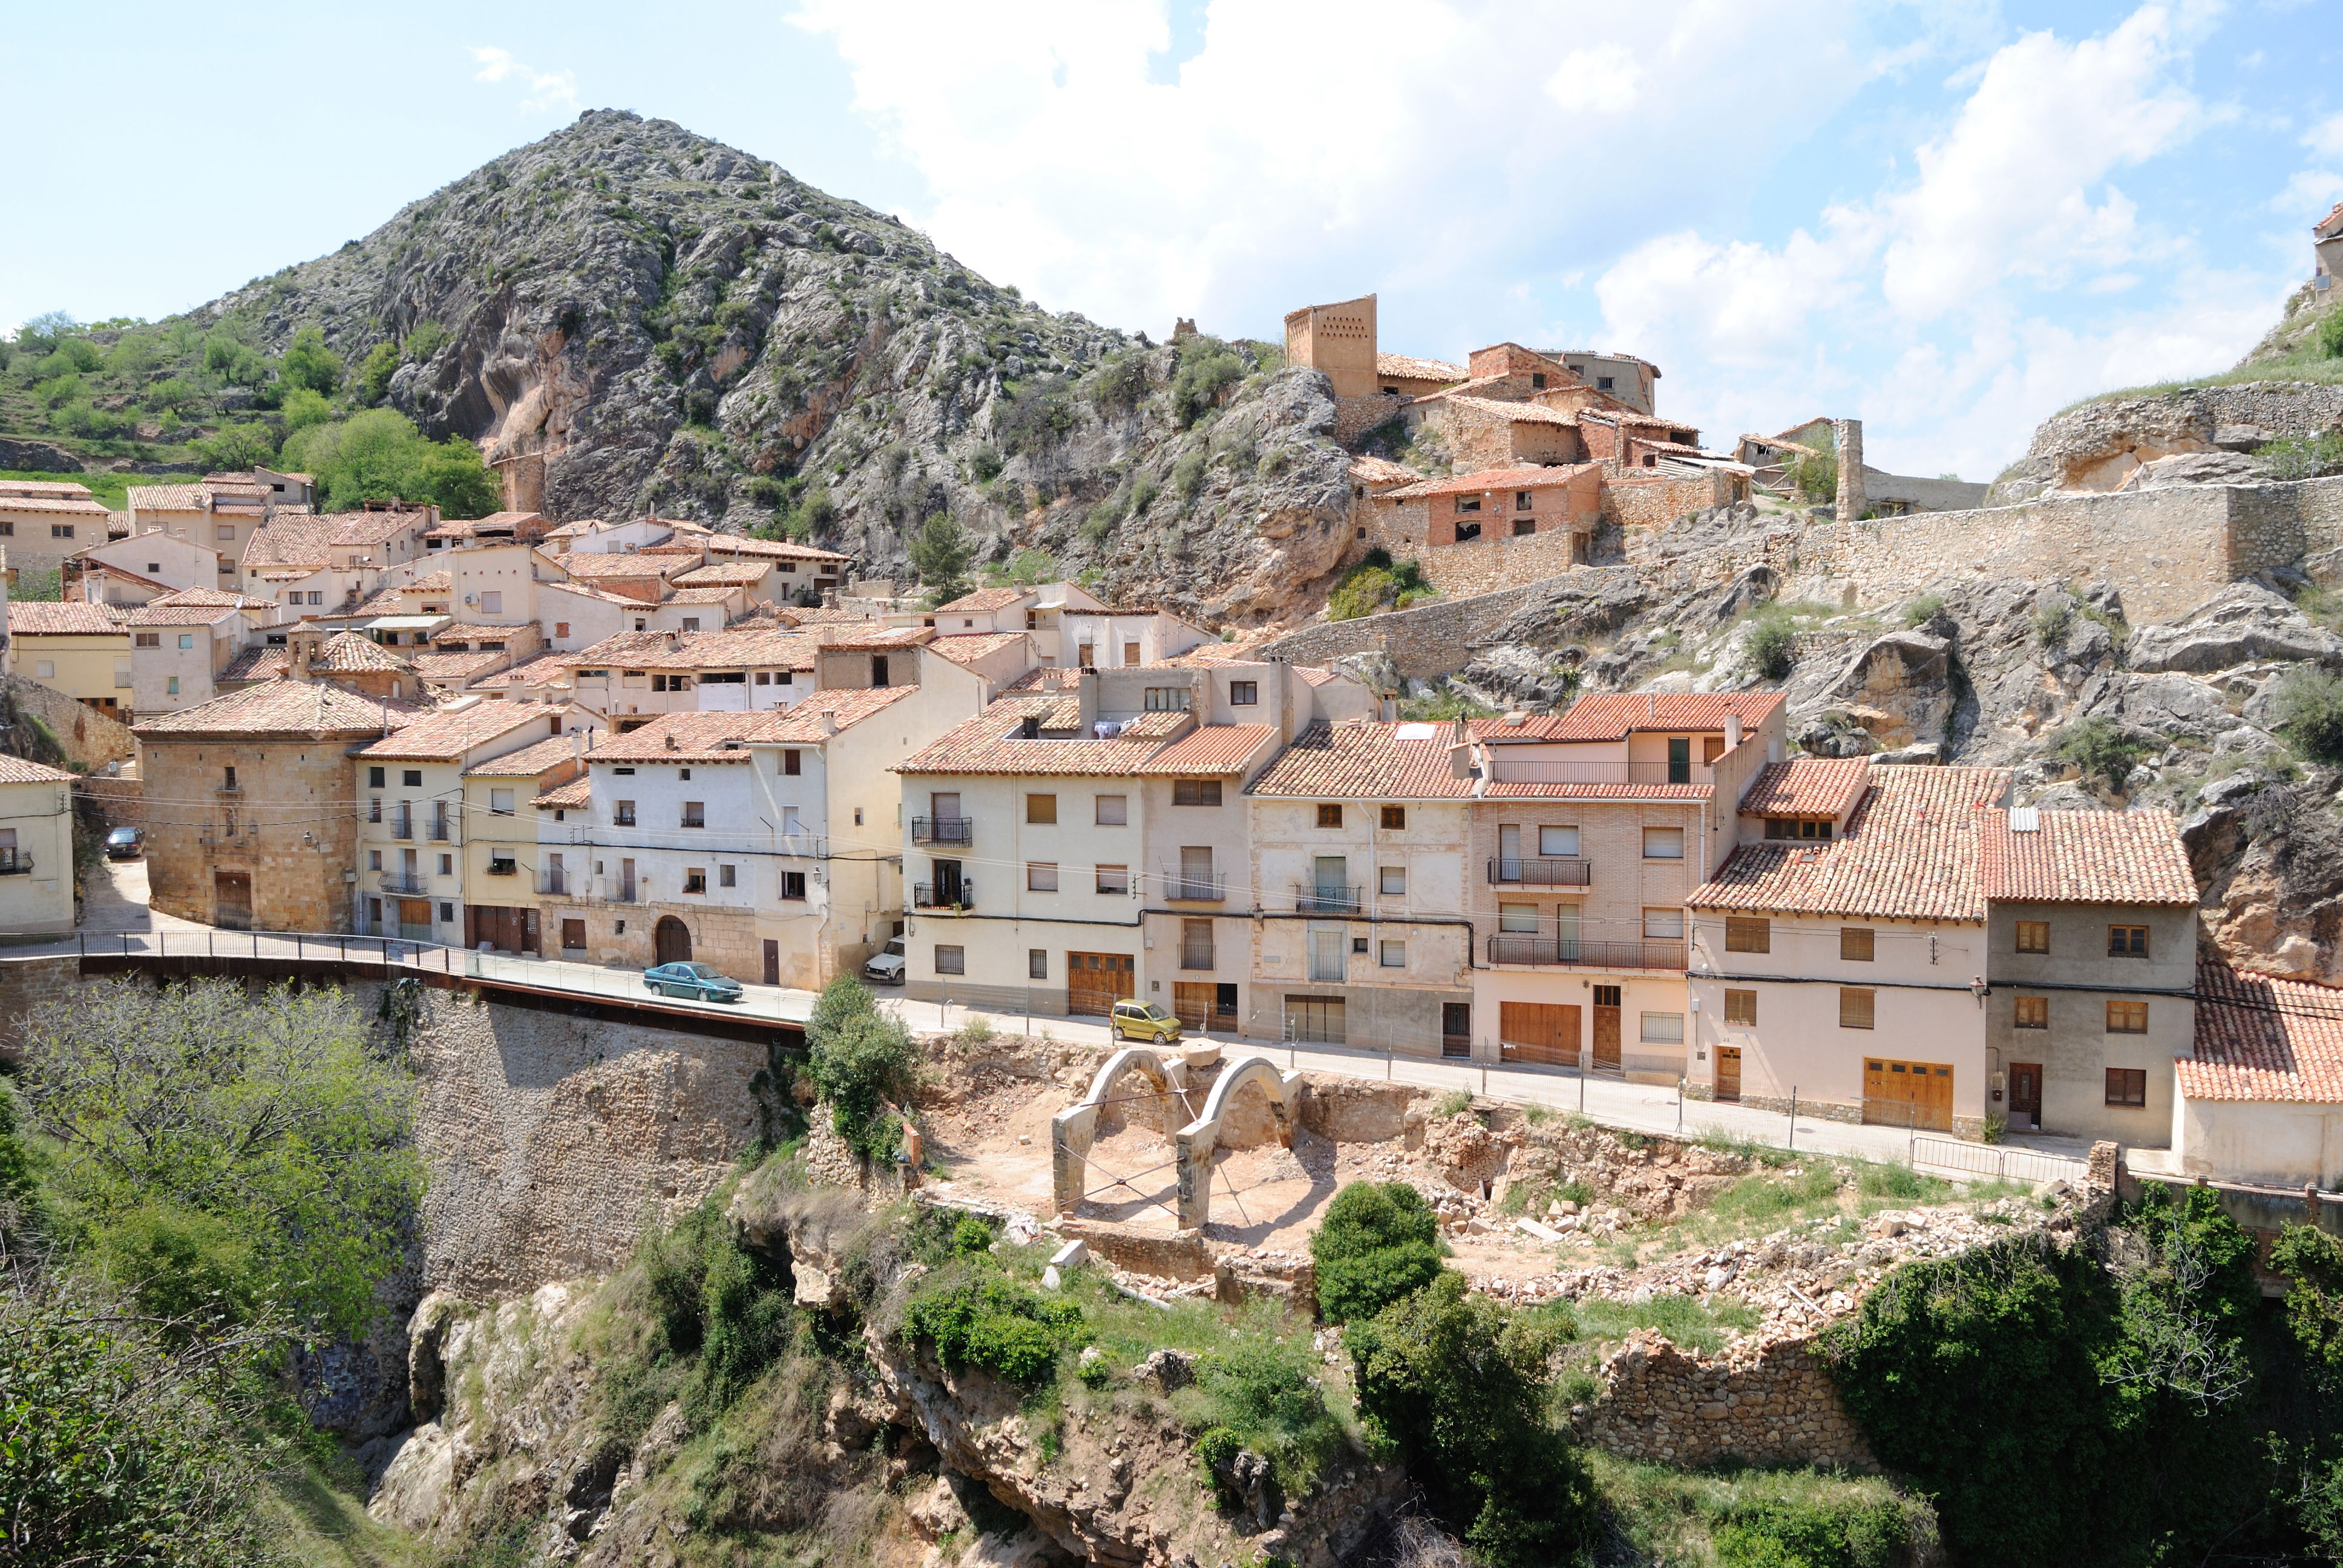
x,y
125,843
692,981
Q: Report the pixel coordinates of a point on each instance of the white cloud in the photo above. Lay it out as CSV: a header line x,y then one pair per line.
x,y
2325,137
541,90
1606,80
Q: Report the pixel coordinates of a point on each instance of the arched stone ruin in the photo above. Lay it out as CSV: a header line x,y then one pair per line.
x,y
1193,1134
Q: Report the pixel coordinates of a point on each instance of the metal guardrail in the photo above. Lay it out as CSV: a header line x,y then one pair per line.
x,y
1542,871
1526,772
1542,951
412,887
2000,1161
1319,898
1189,888
961,831
928,896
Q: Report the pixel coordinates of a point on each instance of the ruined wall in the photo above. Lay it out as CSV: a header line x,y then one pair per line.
x,y
1771,1403
1354,416
1426,643
29,986
87,736
1653,501
1491,564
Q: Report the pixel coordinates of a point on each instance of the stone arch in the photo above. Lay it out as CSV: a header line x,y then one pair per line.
x,y
1196,1141
1073,1130
670,941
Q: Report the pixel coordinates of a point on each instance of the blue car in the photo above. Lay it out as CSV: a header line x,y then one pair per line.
x,y
694,982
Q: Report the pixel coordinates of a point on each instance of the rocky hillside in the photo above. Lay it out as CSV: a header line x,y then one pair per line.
x,y
672,324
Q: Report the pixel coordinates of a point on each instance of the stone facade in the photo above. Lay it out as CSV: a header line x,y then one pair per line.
x,y
1847,435
1354,416
88,739
1770,1402
1633,500
31,985
626,936
1426,643
289,829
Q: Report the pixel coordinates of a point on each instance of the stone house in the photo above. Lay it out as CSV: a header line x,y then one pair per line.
x,y
43,522
37,858
1589,830
2326,250
1068,626
262,824
71,646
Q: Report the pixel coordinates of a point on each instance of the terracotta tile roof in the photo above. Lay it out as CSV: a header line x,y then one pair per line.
x,y
1533,477
1373,470
774,549
281,707
1316,675
1407,367
384,601
471,631
626,649
514,523
165,498
696,736
17,771
575,529
212,599
1216,748
1806,787
992,598
1615,714
443,581
773,648
53,506
353,653
1044,679
255,664
829,615
1674,448
706,593
991,743
1511,412
2089,858
531,761
575,796
444,735
459,666
1499,789
61,617
2261,1037
547,668
724,574
1369,761
634,564
968,647
875,638
801,725
155,612
307,541
2331,226
1911,851
45,489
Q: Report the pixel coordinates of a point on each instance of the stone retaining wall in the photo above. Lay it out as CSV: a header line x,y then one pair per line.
x,y
1426,642
1771,1403
124,800
1632,500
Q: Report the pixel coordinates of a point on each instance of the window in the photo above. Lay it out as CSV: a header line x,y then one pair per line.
x,y
45,669
1170,699
447,865
1523,527
374,860
171,686
148,639
61,530
691,623
1468,503
412,778
1603,383
1741,1007
2126,1017
225,531
622,813
1663,925
2127,941
951,961
728,875
186,640
1664,843
792,762
1663,1029
2127,1086
492,603
561,628
228,779
1391,881
1130,653
2033,1012
1244,693
1358,946
1112,811
1521,502
447,912
375,777
1519,918
1195,791
1037,963
1040,876
1857,1007
1330,814
500,802
695,879
1115,879
573,936
1042,809
2033,936
1394,818
695,814
1395,955
1744,935
1855,944
1558,842
793,885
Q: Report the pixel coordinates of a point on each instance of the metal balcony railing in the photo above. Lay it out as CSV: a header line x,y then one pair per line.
x,y
625,892
1182,887
943,830
400,882
1526,772
1320,898
15,862
555,881
928,896
1195,956
402,827
1546,951
1542,871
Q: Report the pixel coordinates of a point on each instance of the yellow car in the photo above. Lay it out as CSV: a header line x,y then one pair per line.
x,y
1143,1020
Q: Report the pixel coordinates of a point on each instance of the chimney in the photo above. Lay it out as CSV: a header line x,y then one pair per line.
x,y
1086,701
827,721
670,742
1733,732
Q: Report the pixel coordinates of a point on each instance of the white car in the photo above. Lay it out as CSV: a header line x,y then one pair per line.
x,y
886,965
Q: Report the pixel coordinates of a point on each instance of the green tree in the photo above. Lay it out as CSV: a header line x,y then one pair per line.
x,y
1208,368
378,456
860,1059
1772,646
233,449
1460,1389
1377,1243
2309,709
940,552
376,370
260,1144
308,363
302,407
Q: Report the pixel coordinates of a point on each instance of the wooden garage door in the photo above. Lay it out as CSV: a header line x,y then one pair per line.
x,y
1907,1093
1538,1031
1096,981
1192,1004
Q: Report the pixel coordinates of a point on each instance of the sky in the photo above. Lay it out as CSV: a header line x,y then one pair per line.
x,y
1948,218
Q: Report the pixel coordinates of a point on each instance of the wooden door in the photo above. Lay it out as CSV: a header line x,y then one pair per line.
x,y
672,941
1538,1031
415,920
1096,981
1907,1093
232,901
1728,1072
1456,1029
772,961
2026,1095
1606,1027
573,936
1191,1002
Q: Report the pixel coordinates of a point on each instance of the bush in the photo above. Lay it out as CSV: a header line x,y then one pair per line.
x,y
1772,646
1814,477
860,1058
2330,337
1119,381
378,456
2304,456
1188,476
376,370
308,363
717,1301
1460,1391
1377,1243
2309,710
940,552
1924,609
1037,417
993,1323
1208,368
2102,749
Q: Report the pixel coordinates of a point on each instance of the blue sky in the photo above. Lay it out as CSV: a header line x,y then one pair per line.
x,y
1948,220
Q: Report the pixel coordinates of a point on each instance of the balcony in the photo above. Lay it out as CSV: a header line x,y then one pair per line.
x,y
950,896
958,830
503,867
15,862
1322,899
1195,955
402,883
402,827
1525,772
442,829
1534,952
1542,871
1182,887
554,883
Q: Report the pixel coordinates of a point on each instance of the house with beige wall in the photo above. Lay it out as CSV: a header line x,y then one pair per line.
x,y
504,874
2259,1096
37,858
43,522
71,646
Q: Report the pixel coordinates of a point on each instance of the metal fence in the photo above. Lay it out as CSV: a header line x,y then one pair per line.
x,y
2000,1161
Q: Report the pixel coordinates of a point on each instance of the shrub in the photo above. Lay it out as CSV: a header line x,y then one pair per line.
x,y
423,341
2304,456
2051,621
1924,609
993,1323
1037,417
940,552
1208,368
376,370
2102,749
1188,476
1772,646
1460,1390
984,464
1816,476
1119,381
715,1301
2330,337
2309,710
859,1058
1377,1243
308,363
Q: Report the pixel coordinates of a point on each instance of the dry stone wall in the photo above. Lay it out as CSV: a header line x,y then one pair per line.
x,y
1771,1402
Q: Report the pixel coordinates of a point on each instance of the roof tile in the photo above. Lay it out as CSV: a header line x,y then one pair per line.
x,y
281,707
1910,851
2261,1037
1408,761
